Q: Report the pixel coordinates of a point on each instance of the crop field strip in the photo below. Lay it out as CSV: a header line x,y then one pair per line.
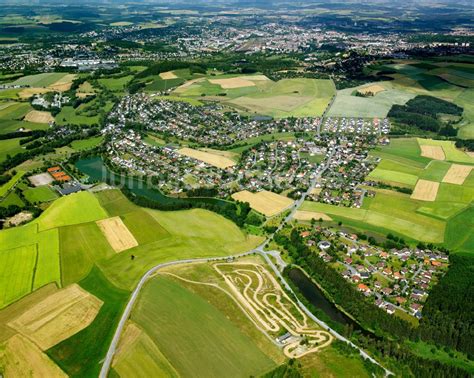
x,y
117,234
214,159
265,202
425,190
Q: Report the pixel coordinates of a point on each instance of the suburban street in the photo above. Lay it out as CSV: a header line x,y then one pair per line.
x,y
260,250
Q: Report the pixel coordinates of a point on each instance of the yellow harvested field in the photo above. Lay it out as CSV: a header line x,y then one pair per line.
x,y
266,203
28,92
457,173
308,215
374,89
316,191
425,190
39,117
433,152
231,83
228,154
168,75
85,89
21,358
63,84
117,234
58,316
216,160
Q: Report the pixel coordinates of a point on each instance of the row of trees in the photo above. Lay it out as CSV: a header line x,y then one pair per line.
x,y
447,315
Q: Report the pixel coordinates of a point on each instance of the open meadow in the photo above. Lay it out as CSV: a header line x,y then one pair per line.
x,y
443,192
256,94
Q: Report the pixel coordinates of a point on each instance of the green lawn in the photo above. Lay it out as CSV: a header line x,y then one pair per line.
x,y
12,199
40,194
196,338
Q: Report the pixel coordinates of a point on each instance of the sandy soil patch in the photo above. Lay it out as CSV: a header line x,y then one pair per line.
x,y
28,92
308,215
19,218
267,203
22,358
41,179
58,317
374,89
213,159
168,75
433,152
457,173
425,190
231,83
63,84
39,117
117,234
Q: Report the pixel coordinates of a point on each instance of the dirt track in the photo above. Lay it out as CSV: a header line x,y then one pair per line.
x,y
265,301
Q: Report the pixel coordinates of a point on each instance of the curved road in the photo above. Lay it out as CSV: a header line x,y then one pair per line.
x,y
128,309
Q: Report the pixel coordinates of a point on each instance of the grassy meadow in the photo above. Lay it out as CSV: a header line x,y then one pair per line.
x,y
435,221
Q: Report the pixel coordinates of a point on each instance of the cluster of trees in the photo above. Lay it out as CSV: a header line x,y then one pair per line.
x,y
422,112
394,187
341,291
447,314
466,143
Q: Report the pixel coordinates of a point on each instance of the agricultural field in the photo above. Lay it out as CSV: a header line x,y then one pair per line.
x,y
449,81
40,194
443,191
265,202
86,144
347,104
196,333
256,94
212,157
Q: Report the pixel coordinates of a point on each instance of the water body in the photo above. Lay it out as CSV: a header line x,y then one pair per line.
x,y
95,168
316,297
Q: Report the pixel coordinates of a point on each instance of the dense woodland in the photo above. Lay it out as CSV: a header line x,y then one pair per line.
x,y
422,112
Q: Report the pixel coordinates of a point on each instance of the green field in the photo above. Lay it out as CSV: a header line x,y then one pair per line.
x,y
284,98
81,246
347,104
452,153
115,84
40,80
40,194
31,257
81,354
9,147
12,199
389,211
76,208
86,144
9,184
196,338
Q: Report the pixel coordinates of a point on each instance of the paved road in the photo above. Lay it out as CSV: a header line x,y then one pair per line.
x,y
133,298
260,250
